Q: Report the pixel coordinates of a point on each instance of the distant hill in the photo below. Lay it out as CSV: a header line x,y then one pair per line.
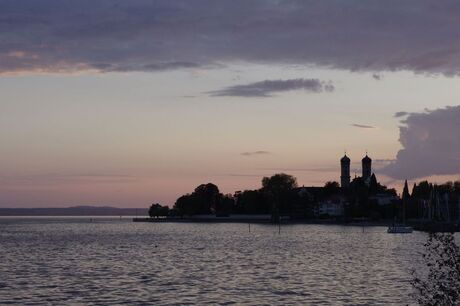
x,y
74,211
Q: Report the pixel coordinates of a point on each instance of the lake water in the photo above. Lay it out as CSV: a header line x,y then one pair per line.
x,y
111,261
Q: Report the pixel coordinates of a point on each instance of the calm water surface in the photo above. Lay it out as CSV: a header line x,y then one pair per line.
x,y
109,261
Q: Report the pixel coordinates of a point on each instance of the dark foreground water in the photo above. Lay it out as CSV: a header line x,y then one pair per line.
x,y
73,261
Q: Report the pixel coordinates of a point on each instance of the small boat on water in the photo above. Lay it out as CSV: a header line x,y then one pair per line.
x,y
399,229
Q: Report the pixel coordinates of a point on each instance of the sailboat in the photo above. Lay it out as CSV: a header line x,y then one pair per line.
x,y
437,215
401,228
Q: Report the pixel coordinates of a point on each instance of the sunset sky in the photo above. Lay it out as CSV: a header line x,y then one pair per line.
x,y
125,103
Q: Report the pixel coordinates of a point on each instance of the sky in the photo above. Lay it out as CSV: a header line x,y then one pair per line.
x,y
125,103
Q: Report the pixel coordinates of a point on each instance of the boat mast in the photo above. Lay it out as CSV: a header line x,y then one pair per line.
x,y
404,210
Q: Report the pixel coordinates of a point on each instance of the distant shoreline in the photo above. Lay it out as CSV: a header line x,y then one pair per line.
x,y
258,221
75,211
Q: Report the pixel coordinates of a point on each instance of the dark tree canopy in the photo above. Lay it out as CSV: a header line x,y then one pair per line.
x,y
209,196
207,191
422,190
277,190
205,199
331,188
187,205
156,210
279,195
251,202
279,183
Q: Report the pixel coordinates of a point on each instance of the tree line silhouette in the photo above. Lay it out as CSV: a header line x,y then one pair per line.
x,y
280,195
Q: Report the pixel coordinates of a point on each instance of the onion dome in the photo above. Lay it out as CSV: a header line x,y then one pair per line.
x,y
366,159
345,159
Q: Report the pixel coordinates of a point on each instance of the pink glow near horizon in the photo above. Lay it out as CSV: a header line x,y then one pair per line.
x,y
106,108
125,144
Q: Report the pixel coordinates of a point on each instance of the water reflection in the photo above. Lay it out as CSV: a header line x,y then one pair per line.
x,y
114,261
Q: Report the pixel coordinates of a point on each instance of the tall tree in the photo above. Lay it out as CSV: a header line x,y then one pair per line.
x,y
209,197
405,194
205,199
251,202
187,205
156,210
277,188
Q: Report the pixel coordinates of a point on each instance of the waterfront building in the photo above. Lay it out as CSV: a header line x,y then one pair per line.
x,y
333,206
383,199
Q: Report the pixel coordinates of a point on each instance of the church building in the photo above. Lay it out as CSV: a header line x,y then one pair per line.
x,y
345,178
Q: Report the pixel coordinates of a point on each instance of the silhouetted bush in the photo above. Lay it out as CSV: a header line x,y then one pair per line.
x,y
156,210
441,286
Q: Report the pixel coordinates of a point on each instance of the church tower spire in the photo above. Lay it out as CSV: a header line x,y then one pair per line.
x,y
345,171
367,167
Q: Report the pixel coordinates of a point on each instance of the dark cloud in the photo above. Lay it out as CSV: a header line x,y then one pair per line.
x,y
401,114
379,163
431,145
144,35
363,126
268,87
148,67
255,153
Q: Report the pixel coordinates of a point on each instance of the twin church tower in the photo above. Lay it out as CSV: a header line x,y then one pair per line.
x,y
345,170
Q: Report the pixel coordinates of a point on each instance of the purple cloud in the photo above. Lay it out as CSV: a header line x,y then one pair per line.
x,y
401,114
363,126
431,145
268,87
144,35
162,66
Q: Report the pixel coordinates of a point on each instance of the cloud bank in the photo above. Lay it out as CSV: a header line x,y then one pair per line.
x,y
144,35
268,87
431,145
